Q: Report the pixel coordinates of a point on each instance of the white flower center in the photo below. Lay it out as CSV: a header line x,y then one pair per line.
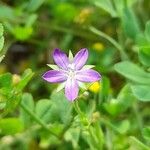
x,y
71,67
71,71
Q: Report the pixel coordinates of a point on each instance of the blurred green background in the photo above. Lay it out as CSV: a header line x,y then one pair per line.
x,y
117,35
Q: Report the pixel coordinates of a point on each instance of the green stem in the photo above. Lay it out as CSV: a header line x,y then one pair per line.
x,y
38,120
82,116
111,40
85,121
138,116
93,139
81,33
100,135
139,143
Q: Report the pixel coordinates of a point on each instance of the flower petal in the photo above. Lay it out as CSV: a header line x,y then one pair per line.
x,y
54,76
60,59
71,89
80,58
88,75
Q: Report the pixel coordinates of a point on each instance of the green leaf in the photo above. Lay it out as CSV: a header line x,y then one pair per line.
x,y
6,13
22,33
125,97
1,30
130,23
104,92
1,42
27,100
147,31
107,6
146,133
26,77
5,80
144,48
143,44
1,37
33,5
141,92
43,110
62,8
123,101
73,135
133,72
122,126
62,106
120,4
31,20
144,58
10,126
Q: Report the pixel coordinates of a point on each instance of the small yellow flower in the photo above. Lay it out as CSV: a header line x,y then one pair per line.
x,y
95,87
98,46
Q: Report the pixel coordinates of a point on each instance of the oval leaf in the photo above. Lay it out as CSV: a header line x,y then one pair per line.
x,y
133,72
141,92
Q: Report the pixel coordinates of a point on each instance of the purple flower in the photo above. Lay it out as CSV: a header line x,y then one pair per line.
x,y
71,72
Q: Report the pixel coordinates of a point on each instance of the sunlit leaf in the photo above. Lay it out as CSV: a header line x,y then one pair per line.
x,y
10,126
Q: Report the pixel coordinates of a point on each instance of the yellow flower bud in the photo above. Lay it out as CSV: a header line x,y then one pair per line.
x,y
95,87
16,79
98,46
95,117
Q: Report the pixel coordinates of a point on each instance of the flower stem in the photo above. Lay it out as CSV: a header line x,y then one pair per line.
x,y
111,40
38,120
83,118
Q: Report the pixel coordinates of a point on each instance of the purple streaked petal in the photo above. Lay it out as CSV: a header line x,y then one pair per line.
x,y
89,75
61,59
80,58
54,76
71,89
